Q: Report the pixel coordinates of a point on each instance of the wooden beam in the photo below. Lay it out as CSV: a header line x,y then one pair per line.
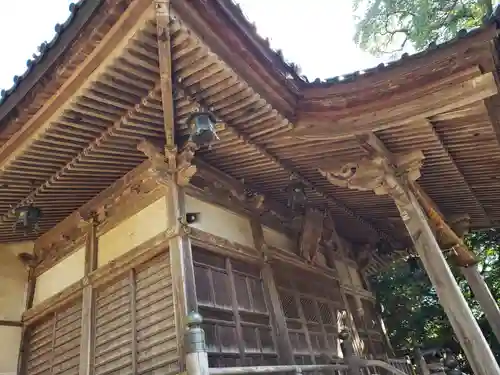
x,y
464,324
341,124
288,168
94,65
181,257
384,176
10,323
374,147
23,346
474,109
88,299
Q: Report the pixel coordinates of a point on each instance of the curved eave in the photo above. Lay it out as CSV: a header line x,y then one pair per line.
x,y
56,56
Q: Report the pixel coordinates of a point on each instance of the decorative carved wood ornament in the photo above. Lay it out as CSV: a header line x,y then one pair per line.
x,y
311,234
172,164
375,173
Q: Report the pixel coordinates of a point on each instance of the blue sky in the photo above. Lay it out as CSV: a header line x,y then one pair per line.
x,y
315,34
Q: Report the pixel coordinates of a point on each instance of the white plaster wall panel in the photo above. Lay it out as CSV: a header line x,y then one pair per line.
x,y
221,222
9,349
278,240
133,231
13,281
343,272
63,274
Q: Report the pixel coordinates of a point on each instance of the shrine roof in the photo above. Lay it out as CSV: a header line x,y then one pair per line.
x,y
70,126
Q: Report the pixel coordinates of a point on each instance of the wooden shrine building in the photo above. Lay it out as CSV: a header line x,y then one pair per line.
x,y
119,214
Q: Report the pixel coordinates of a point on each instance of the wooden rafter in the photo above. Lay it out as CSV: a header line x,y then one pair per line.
x,y
290,170
87,72
459,172
103,138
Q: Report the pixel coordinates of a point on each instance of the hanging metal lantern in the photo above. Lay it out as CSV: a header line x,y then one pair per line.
x,y
296,194
27,219
203,128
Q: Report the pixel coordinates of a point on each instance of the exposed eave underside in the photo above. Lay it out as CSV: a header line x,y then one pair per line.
x,y
91,141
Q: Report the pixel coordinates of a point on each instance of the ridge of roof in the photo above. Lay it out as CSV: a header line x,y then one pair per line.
x,y
488,21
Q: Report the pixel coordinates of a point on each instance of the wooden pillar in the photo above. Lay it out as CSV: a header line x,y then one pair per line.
x,y
453,238
463,322
276,313
483,295
172,170
88,310
23,347
393,177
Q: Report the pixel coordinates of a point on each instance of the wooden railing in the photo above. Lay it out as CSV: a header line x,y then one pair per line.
x,y
350,364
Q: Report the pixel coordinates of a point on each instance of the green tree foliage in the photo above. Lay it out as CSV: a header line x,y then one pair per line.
x,y
411,309
388,26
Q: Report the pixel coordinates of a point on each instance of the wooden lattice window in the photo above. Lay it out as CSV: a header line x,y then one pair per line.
x,y
54,342
311,304
236,318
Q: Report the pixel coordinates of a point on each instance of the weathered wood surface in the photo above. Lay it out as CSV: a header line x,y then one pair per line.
x,y
93,124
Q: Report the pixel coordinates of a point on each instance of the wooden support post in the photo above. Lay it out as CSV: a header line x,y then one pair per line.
x,y
276,313
476,282
393,178
463,322
171,169
88,310
450,238
483,295
23,347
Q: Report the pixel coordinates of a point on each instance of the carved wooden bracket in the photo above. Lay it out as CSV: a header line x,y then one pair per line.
x,y
171,164
311,234
375,173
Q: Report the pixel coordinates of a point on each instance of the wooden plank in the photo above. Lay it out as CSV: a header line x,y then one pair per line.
x,y
100,58
335,125
10,323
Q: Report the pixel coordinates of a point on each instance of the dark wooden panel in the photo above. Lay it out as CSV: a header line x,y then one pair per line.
x,y
135,326
113,328
54,342
155,323
236,317
312,304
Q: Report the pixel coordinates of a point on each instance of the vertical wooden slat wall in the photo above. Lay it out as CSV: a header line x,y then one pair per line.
x,y
135,325
54,342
